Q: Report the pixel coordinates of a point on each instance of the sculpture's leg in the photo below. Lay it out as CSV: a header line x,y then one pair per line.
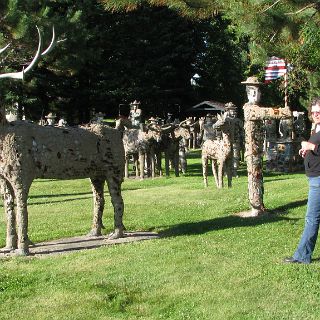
x,y
176,163
97,185
8,202
152,160
220,175
114,185
126,167
141,162
21,195
204,161
229,167
158,160
214,171
136,164
194,140
183,160
167,163
236,160
147,163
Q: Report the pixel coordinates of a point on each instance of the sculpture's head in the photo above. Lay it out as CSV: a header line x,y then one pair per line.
x,y
231,110
253,90
135,104
223,121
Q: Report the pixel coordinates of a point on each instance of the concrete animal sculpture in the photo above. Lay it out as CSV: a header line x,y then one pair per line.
x,y
183,134
139,144
29,151
136,145
219,151
168,144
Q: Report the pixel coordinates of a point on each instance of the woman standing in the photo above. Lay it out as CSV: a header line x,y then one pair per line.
x,y
310,151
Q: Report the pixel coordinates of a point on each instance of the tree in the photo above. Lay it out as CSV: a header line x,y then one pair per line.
x,y
285,28
151,58
108,59
62,82
221,62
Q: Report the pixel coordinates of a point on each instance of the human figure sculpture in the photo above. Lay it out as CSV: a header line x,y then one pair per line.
x,y
270,127
12,115
207,132
286,129
50,119
299,125
254,115
170,119
270,134
135,113
62,122
184,133
237,126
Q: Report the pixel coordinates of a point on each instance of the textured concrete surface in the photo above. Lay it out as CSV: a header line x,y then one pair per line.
x,y
66,245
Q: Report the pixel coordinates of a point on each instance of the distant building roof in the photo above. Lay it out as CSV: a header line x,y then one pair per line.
x,y
208,106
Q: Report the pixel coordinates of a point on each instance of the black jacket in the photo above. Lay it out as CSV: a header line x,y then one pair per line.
x,y
312,158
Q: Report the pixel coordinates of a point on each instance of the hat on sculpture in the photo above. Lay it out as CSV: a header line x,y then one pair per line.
x,y
51,116
135,103
230,106
252,81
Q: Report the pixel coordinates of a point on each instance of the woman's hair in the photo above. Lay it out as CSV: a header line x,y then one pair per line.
x,y
314,101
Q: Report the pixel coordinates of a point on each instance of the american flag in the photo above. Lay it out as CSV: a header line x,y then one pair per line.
x,y
275,68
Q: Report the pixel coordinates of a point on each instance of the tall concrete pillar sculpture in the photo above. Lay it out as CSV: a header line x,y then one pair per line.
x,y
254,115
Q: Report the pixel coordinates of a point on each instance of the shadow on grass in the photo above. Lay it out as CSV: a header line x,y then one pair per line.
x,y
57,195
36,203
231,221
57,201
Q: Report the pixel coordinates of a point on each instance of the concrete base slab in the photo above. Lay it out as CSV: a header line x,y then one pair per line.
x,y
250,214
80,243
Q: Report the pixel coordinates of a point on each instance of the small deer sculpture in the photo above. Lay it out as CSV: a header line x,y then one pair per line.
x,y
219,151
138,143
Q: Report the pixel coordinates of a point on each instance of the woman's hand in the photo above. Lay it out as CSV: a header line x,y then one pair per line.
x,y
302,153
305,147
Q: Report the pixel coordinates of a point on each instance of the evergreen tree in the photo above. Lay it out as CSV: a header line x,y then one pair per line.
x,y
221,62
287,28
108,59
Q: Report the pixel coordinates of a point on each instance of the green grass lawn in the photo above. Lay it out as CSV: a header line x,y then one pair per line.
x,y
208,263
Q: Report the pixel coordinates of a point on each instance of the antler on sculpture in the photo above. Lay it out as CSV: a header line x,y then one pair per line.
x,y
3,49
36,58
52,43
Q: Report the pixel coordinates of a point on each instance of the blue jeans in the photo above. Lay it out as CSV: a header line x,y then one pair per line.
x,y
310,232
